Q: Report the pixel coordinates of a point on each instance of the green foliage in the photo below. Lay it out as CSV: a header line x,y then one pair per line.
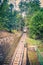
x,y
36,25
29,6
34,19
10,19
34,4
40,57
3,17
23,5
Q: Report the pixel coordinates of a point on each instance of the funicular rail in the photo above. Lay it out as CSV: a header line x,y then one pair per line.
x,y
20,52
11,52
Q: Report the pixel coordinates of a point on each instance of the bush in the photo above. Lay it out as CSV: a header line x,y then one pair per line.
x,y
36,25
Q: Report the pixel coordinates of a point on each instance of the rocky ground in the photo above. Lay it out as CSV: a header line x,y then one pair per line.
x,y
7,40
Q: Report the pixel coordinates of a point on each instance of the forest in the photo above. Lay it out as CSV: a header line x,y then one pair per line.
x,y
13,19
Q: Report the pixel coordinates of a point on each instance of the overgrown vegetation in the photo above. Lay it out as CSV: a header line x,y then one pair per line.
x,y
36,25
34,18
10,19
31,41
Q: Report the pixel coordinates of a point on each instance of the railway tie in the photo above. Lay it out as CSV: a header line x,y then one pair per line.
x,y
17,58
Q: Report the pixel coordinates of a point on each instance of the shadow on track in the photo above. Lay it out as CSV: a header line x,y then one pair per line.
x,y
28,63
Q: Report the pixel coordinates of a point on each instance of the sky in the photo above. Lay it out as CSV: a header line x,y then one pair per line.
x,y
13,2
17,2
41,3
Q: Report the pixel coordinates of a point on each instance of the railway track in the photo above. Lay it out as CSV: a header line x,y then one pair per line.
x,y
24,61
17,58
10,52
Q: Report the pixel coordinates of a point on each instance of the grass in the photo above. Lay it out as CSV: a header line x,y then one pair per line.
x,y
33,41
14,31
41,48
33,58
39,43
32,55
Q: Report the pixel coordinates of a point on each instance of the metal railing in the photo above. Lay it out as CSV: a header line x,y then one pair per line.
x,y
40,57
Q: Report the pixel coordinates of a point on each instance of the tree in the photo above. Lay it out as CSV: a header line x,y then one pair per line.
x,y
3,17
10,19
36,25
11,8
34,4
23,5
19,22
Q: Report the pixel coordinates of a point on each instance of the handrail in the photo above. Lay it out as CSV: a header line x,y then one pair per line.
x,y
40,57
